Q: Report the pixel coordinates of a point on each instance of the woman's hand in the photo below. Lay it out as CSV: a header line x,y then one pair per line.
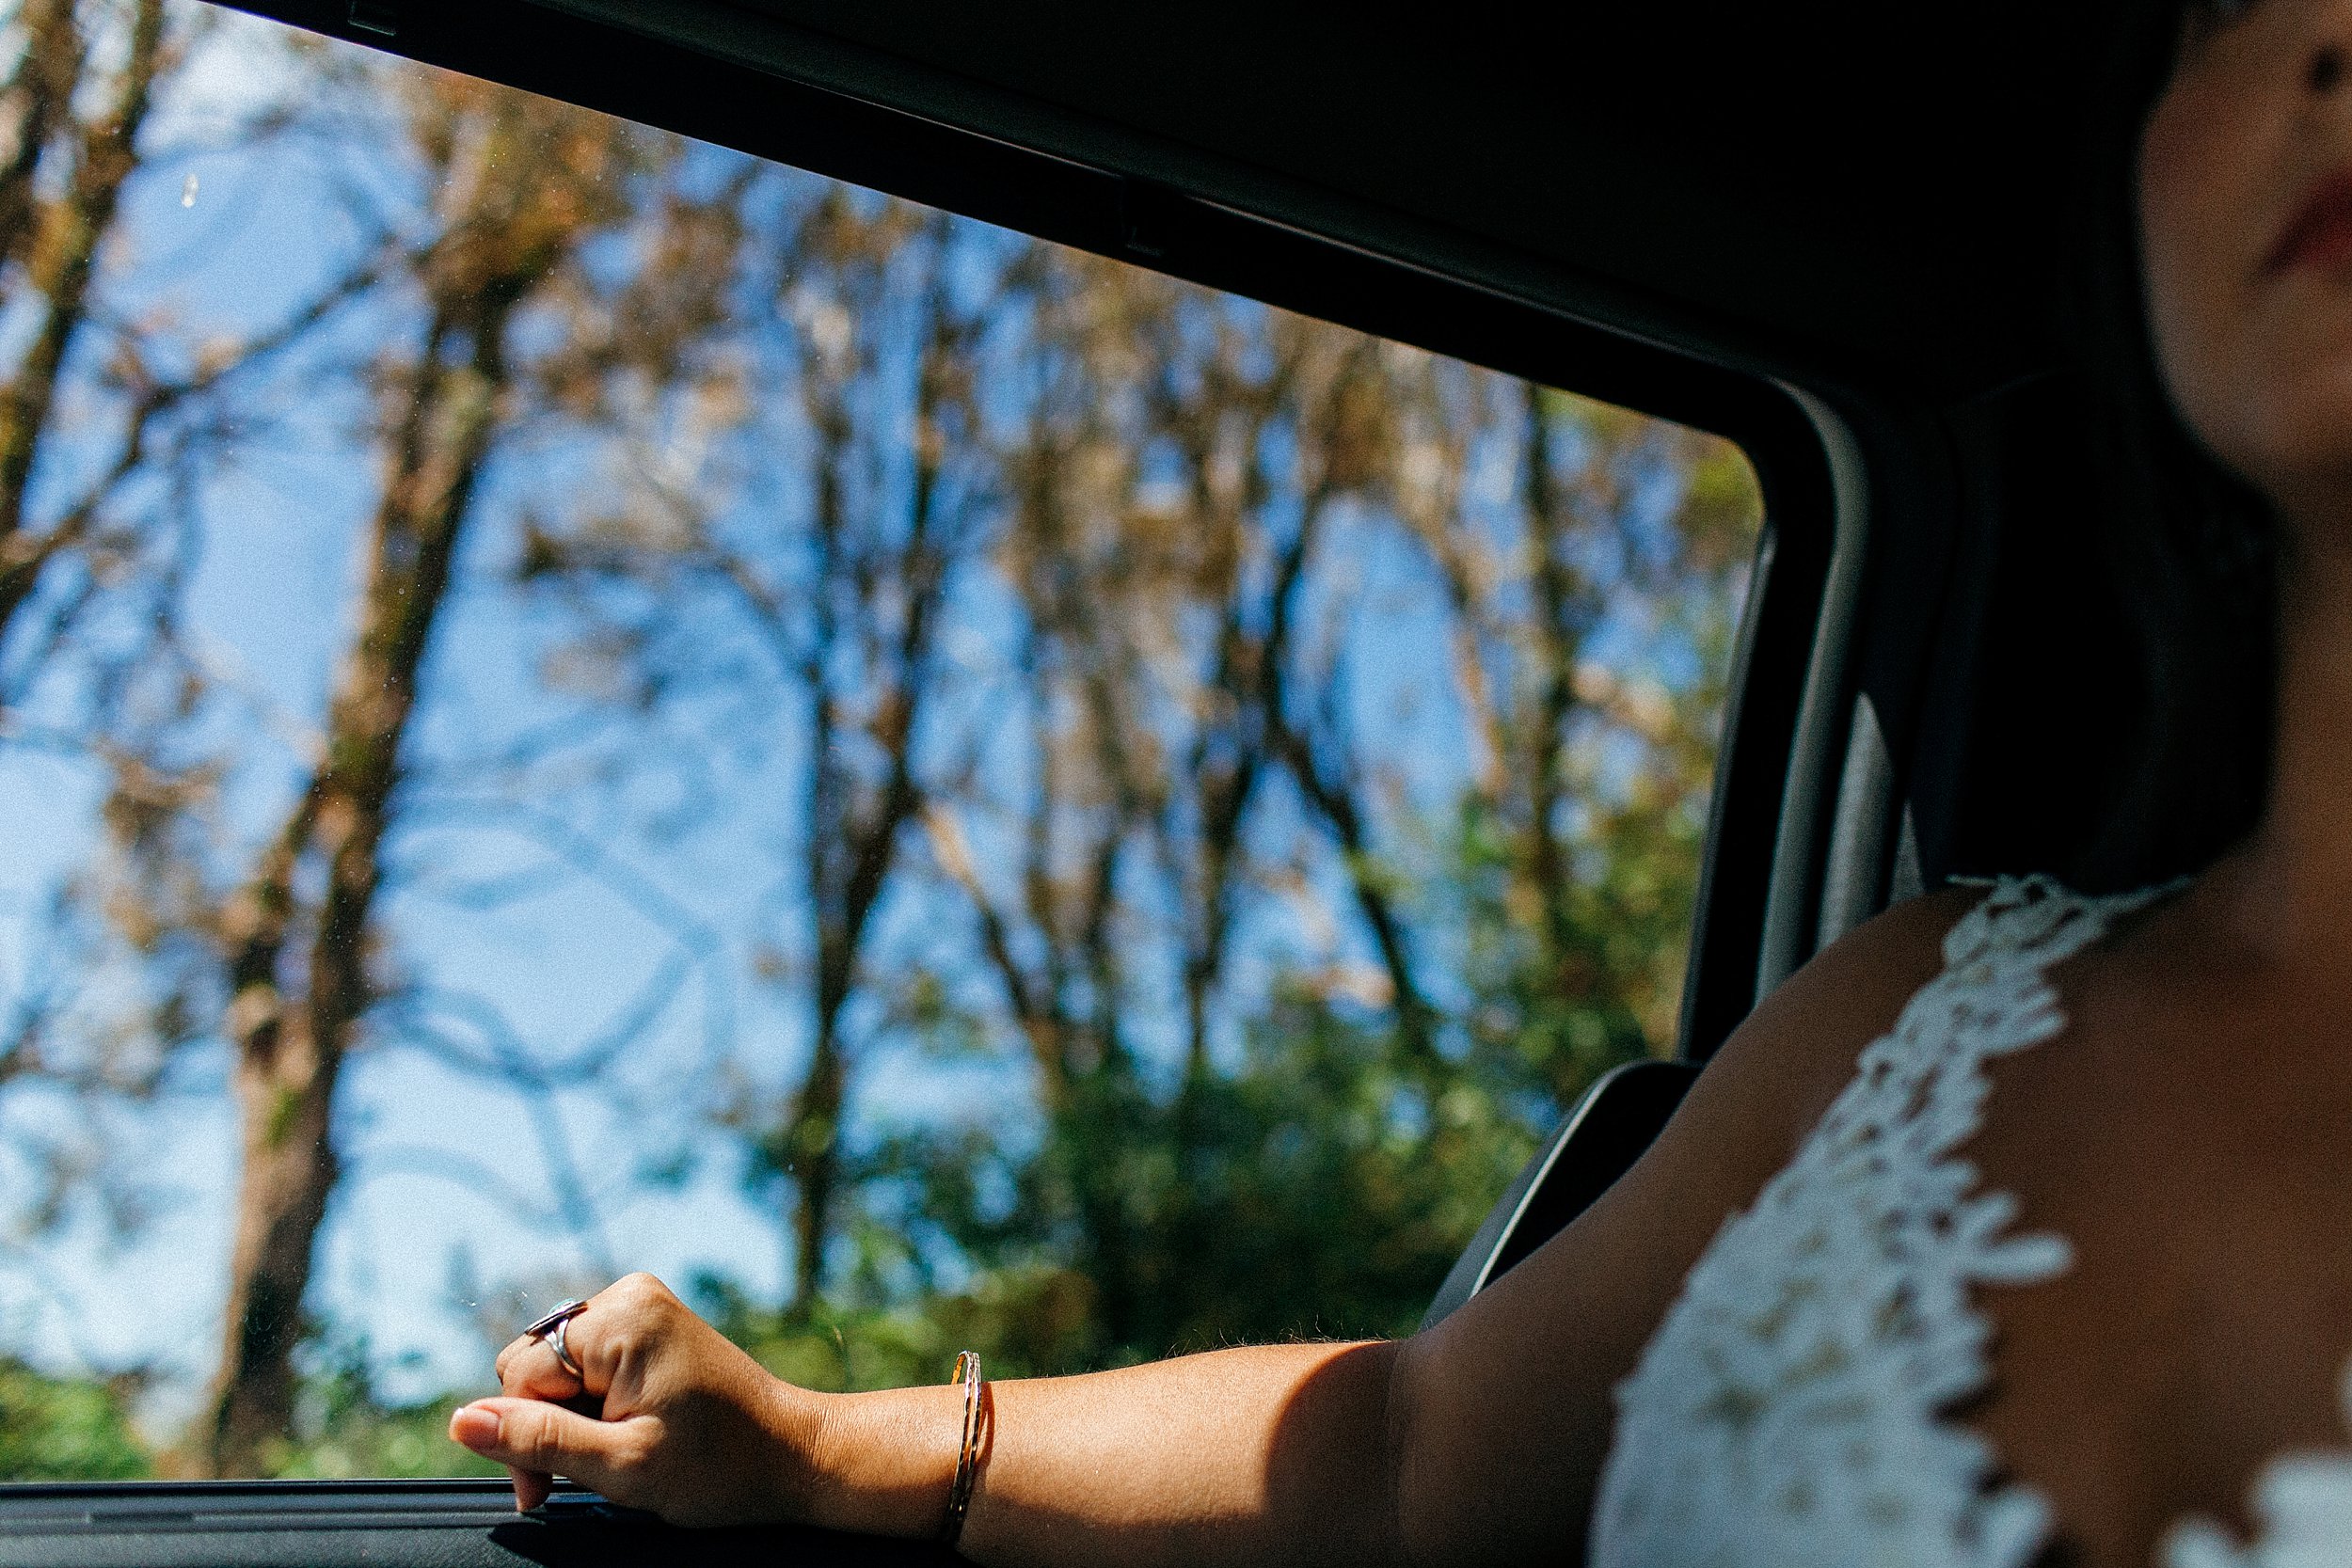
x,y
690,1427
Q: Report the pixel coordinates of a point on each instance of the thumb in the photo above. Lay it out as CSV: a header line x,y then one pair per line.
x,y
536,1436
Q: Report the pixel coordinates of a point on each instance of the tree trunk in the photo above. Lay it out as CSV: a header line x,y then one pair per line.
x,y
35,102
813,1139
851,834
1560,641
1334,799
61,245
292,1030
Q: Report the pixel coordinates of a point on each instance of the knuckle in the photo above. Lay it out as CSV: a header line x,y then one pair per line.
x,y
630,1343
643,1317
642,1292
520,1373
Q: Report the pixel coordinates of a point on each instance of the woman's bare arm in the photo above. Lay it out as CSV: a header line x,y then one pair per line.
x,y
1478,1441
1507,1406
1257,1456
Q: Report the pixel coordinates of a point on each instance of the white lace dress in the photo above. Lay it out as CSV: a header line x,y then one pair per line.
x,y
1791,1408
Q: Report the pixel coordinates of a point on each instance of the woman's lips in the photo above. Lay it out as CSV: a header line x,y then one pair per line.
x,y
2321,234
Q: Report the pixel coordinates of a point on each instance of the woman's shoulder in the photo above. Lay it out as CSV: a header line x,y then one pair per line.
x,y
1780,1069
1773,1080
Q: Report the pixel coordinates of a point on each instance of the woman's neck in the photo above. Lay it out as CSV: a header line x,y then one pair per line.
x,y
2290,886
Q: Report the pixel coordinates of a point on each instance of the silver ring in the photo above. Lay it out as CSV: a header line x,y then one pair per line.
x,y
549,1331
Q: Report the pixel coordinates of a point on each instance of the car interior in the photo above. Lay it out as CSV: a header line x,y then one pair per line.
x,y
1818,227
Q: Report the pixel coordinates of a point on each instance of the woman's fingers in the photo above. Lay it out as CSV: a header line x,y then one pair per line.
x,y
528,1430
531,1488
536,1440
633,1310
528,1369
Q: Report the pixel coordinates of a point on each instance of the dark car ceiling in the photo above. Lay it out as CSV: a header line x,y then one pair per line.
x,y
1872,179
1862,188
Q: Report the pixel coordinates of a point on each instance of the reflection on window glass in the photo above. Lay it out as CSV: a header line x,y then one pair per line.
x,y
573,701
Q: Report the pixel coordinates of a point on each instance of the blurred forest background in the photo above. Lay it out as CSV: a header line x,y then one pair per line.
x,y
570,699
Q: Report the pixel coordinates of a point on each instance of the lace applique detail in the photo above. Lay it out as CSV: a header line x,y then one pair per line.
x,y
1789,1408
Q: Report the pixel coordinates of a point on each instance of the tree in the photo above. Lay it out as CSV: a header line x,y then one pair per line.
x,y
1325,1179
520,188
488,297
113,407
526,183
58,107
856,325
1578,857
103,396
1181,464
866,652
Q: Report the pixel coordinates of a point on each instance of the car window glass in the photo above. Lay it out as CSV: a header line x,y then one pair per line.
x,y
572,700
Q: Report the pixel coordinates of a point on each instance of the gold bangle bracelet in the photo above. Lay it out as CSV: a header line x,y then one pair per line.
x,y
968,1452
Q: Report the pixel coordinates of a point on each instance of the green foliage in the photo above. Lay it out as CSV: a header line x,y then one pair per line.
x,y
66,1428
81,1429
1319,1191
1325,1189
1024,1322
366,1438
346,1427
1322,1190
